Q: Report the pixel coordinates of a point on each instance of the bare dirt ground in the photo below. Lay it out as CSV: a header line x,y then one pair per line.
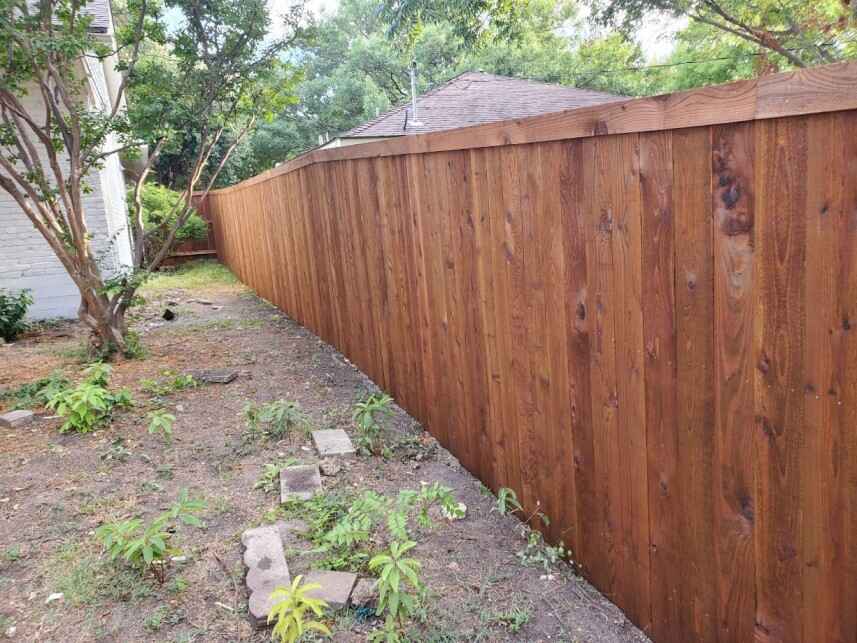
x,y
56,489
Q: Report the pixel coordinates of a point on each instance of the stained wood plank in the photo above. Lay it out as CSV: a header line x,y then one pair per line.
x,y
733,223
659,339
826,515
633,511
577,181
780,406
695,385
600,222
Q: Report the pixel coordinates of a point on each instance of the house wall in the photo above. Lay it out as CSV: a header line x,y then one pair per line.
x,y
27,261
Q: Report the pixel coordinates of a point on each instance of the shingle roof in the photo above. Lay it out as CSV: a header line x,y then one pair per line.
x,y
472,98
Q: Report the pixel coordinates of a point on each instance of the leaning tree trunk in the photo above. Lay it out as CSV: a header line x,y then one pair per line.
x,y
103,315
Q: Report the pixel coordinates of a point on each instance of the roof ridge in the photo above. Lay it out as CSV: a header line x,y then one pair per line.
x,y
452,94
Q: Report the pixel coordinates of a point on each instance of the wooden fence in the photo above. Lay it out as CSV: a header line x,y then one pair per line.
x,y
642,317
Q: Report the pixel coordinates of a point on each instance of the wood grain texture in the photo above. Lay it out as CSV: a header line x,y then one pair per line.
x,y
659,343
695,381
647,335
733,222
780,406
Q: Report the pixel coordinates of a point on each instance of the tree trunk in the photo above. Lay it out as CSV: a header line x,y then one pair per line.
x,y
108,330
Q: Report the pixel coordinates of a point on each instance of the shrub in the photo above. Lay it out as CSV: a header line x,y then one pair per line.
x,y
146,547
372,511
395,573
159,215
13,309
90,403
291,608
367,416
279,418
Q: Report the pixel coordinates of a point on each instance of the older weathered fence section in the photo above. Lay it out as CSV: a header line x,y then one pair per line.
x,y
642,316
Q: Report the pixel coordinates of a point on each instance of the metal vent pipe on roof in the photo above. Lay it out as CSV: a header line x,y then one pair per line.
x,y
415,120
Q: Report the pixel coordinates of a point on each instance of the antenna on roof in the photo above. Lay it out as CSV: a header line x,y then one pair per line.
x,y
415,121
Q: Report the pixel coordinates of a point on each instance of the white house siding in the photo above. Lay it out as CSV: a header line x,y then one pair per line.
x,y
27,261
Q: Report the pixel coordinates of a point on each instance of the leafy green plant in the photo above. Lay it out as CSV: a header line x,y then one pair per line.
x,y
291,608
13,309
160,215
366,416
168,384
398,585
90,403
514,619
161,422
146,546
507,501
537,553
275,419
269,480
36,393
373,517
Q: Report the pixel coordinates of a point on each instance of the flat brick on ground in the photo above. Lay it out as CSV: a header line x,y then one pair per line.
x,y
15,419
332,442
301,482
335,587
266,570
365,593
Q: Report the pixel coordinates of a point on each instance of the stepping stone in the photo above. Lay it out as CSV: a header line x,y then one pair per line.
x,y
301,482
335,587
266,570
332,442
365,593
15,419
215,376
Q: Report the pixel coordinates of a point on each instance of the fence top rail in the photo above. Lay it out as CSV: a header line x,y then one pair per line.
x,y
826,88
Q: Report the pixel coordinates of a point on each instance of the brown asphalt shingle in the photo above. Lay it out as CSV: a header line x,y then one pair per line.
x,y
472,98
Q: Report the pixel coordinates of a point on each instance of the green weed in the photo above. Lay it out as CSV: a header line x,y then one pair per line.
x,y
367,418
275,419
270,478
90,403
293,609
161,423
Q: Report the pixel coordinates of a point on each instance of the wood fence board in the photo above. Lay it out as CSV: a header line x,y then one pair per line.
x,y
600,219
733,222
576,185
695,379
779,389
556,401
659,341
841,541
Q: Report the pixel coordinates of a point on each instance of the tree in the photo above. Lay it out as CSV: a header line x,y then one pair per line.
x,y
216,73
799,32
472,20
